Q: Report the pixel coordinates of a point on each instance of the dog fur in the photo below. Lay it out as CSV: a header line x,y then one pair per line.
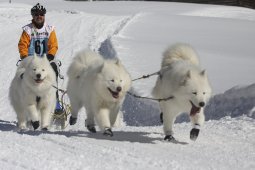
x,y
31,93
182,78
99,85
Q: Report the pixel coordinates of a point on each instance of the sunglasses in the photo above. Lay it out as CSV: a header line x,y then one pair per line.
x,y
39,14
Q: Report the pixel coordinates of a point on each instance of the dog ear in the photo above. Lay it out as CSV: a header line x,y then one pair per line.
x,y
185,78
44,56
118,62
35,55
25,63
99,68
203,72
188,74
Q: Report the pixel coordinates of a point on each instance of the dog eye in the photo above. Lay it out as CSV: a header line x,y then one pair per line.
x,y
195,93
34,69
203,93
112,80
43,70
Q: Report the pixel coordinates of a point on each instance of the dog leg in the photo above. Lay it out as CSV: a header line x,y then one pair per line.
x,y
168,124
161,117
76,106
33,115
198,118
46,117
114,116
197,121
169,118
22,121
102,117
89,122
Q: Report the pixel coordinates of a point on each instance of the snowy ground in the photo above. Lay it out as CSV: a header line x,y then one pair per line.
x,y
139,32
225,144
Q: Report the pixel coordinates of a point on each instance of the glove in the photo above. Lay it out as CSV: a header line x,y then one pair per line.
x,y
55,68
50,57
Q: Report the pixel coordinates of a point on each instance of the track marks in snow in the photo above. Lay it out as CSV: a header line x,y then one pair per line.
x,y
84,30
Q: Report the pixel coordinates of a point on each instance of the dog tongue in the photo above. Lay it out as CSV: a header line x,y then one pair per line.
x,y
38,80
115,95
194,110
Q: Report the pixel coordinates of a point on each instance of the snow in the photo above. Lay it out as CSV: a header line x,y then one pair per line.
x,y
137,33
225,144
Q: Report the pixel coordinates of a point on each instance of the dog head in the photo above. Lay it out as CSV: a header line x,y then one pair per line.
x,y
38,70
196,89
114,79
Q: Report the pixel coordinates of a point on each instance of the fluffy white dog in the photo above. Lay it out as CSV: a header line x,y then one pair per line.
x,y
31,93
100,86
182,78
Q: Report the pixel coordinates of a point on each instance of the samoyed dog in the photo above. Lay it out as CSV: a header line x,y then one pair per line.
x,y
99,85
31,93
182,78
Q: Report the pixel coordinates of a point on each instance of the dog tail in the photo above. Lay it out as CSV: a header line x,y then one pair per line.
x,y
75,69
179,51
82,61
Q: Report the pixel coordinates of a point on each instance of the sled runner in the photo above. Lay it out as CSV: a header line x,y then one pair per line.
x,y
63,109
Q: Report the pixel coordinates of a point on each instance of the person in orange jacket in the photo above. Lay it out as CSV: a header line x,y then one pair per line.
x,y
40,38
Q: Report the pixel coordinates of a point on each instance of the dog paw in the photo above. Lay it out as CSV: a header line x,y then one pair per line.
x,y
91,128
194,134
169,138
72,120
108,132
45,129
22,129
35,124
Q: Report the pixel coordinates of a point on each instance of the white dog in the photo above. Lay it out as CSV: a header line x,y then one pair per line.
x,y
31,93
100,86
182,78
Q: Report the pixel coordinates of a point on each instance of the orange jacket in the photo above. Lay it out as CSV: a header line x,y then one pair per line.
x,y
25,39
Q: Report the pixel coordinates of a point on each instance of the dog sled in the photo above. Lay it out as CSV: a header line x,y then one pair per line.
x,y
60,118
63,108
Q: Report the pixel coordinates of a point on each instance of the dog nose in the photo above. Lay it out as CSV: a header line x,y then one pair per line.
x,y
119,88
38,76
202,104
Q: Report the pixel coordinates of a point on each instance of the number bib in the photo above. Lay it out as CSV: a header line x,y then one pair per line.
x,y
38,46
38,39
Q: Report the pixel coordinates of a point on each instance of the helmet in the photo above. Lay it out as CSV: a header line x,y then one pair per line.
x,y
38,8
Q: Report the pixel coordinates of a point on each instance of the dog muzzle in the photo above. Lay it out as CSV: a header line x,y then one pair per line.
x,y
38,81
114,94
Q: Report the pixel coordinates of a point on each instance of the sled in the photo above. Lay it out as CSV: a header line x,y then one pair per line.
x,y
60,119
